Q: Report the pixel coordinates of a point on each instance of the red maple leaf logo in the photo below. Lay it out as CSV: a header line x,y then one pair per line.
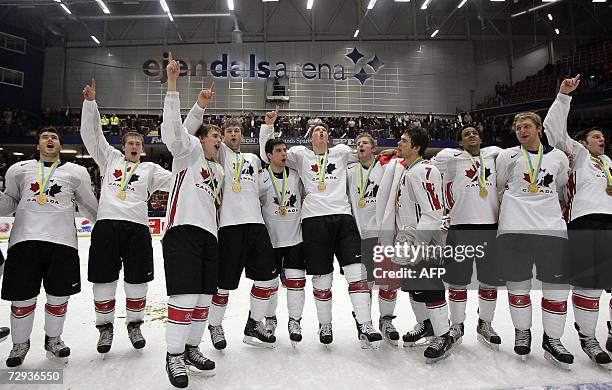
x,y
526,177
597,166
117,173
205,174
34,187
470,173
314,168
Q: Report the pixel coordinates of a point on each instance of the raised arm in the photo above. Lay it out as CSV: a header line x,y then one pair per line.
x,y
266,132
555,123
91,129
194,119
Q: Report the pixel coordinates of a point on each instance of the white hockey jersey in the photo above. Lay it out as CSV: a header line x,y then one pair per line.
x,y
238,207
365,216
285,230
147,178
197,181
586,187
334,200
54,220
524,212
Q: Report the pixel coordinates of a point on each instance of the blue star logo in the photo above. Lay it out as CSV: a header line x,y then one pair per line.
x,y
355,55
360,59
362,76
375,63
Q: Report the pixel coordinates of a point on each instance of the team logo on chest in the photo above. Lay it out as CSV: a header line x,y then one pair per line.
x,y
117,174
472,173
290,200
543,183
53,190
208,181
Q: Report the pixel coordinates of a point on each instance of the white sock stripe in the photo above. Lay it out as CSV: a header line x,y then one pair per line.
x,y
179,323
555,312
134,311
179,307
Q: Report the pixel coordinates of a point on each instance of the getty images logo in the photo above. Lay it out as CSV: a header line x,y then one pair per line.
x,y
358,59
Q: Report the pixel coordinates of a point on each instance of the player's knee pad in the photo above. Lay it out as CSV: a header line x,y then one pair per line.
x,y
104,291
266,283
519,288
55,300
587,292
555,292
354,272
322,282
186,301
136,290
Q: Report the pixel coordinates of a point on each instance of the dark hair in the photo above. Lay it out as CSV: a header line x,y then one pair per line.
x,y
272,142
48,130
131,134
232,122
584,134
459,134
418,137
322,124
205,129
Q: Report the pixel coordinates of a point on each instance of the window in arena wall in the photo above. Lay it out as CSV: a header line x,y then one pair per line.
x,y
11,77
13,43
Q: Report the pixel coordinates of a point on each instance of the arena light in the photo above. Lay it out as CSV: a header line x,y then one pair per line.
x,y
309,4
550,17
461,4
402,1
65,9
557,31
356,33
599,1
82,156
435,33
103,6
230,5
95,39
68,151
170,16
268,1
164,5
17,154
425,4
371,4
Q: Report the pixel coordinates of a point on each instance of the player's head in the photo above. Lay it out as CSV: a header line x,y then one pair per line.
x,y
132,144
468,136
319,135
49,142
527,127
276,151
366,146
593,139
210,138
232,133
413,143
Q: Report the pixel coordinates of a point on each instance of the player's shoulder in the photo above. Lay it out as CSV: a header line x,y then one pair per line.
x,y
299,149
21,165
491,151
425,167
510,153
74,167
351,166
448,153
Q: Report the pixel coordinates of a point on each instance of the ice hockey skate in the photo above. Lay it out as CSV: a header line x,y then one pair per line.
x,y
57,351
487,335
106,338
439,348
420,336
295,331
255,334
556,353
198,363
388,330
18,354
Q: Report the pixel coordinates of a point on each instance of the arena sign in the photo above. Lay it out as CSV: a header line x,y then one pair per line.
x,y
225,67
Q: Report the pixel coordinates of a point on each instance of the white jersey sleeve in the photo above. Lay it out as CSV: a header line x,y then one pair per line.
x,y
93,137
194,119
161,179
12,194
555,126
426,184
185,148
266,132
440,160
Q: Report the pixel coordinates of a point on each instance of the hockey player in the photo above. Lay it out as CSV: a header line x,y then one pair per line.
x,y
43,242
413,209
590,216
532,231
191,256
121,234
364,182
471,196
329,229
281,192
241,221
4,331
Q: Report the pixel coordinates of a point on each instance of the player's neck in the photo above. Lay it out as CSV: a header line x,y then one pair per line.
x,y
277,168
411,158
319,149
50,159
532,146
367,162
233,149
473,150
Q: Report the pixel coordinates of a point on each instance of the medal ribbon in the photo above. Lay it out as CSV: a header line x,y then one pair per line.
x,y
43,182
216,189
605,169
124,180
362,184
321,168
533,173
481,171
277,191
238,166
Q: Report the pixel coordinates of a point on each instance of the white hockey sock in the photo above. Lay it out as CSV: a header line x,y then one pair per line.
x,y
55,315
438,315
273,301
457,298
520,304
198,320
487,300
260,297
419,309
359,291
180,311
321,288
554,308
22,319
386,302
218,307
135,301
295,281
586,309
104,302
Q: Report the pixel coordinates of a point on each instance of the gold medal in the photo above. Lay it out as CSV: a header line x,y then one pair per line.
x,y
121,195
483,192
533,188
361,203
42,199
609,190
236,187
282,211
321,186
